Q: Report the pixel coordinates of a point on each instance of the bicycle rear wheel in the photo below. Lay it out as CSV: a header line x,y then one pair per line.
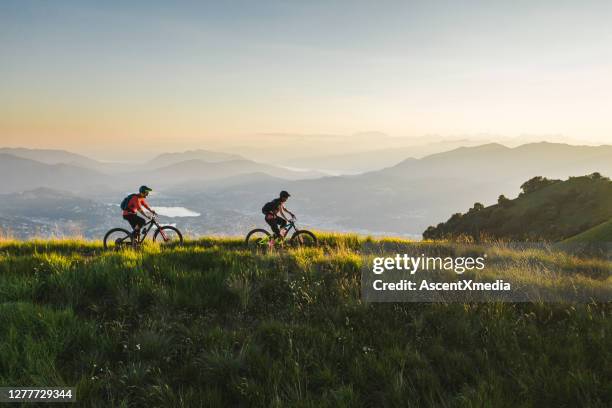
x,y
118,238
303,238
258,238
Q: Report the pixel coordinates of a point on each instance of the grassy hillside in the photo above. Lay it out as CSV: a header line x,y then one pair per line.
x,y
599,233
550,210
214,324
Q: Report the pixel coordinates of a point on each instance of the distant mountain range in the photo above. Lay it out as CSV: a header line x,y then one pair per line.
x,y
30,169
371,160
416,193
51,156
21,174
344,153
197,170
403,198
497,162
410,196
167,159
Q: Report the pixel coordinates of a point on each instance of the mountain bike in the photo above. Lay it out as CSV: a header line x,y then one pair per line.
x,y
261,238
119,238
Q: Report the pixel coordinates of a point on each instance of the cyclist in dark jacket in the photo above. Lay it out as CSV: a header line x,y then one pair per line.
x,y
274,212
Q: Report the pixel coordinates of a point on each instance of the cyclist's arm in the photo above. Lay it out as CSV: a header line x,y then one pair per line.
x,y
283,209
292,214
145,205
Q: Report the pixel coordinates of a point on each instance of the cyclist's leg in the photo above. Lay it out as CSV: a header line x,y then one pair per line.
x,y
271,220
130,220
136,223
140,222
282,223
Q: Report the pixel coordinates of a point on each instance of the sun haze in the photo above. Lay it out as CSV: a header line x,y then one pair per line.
x,y
170,75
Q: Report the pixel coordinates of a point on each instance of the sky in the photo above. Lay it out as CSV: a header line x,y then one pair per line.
x,y
160,75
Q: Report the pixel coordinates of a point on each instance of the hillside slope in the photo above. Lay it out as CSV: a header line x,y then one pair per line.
x,y
599,233
550,210
214,324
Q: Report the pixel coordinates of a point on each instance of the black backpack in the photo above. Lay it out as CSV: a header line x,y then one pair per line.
x,y
269,207
126,200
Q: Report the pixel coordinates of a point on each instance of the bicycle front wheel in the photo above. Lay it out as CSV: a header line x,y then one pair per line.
x,y
303,238
168,236
118,238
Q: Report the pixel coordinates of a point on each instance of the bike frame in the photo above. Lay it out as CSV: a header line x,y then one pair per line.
x,y
148,227
270,240
289,226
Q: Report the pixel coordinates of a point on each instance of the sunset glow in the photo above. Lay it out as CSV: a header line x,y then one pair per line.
x,y
79,75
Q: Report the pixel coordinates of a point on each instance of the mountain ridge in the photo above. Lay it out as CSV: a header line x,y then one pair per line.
x,y
165,159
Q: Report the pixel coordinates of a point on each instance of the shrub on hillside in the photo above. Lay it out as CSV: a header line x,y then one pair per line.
x,y
536,183
503,201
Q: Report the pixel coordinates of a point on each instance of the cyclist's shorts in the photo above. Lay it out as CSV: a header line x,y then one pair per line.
x,y
134,220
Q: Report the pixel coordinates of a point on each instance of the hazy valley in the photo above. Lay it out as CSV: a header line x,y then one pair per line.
x,y
50,192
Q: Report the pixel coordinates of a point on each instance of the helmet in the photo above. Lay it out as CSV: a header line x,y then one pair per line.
x,y
284,194
144,189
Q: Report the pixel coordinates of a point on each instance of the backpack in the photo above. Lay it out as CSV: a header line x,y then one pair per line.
x,y
269,207
125,202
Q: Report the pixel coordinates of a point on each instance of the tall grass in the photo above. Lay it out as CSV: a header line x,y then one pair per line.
x,y
214,324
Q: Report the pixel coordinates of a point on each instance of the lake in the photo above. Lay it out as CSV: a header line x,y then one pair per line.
x,y
176,212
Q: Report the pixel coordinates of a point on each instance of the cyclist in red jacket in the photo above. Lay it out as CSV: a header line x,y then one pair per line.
x,y
134,205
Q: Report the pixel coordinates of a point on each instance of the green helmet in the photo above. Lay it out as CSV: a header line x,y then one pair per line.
x,y
144,189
